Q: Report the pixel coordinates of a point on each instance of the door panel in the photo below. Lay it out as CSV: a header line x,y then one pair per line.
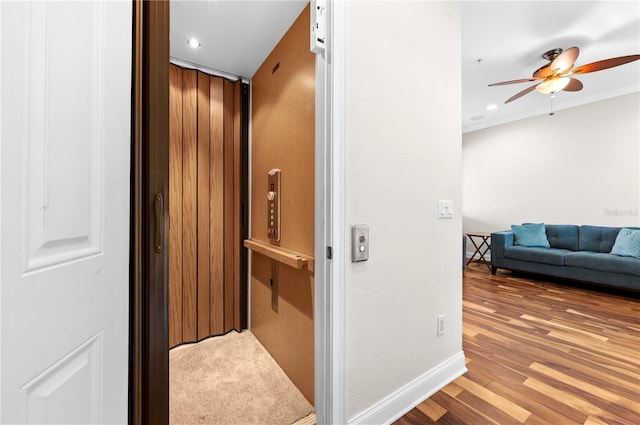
x,y
216,185
65,149
175,205
206,284
204,205
63,144
189,204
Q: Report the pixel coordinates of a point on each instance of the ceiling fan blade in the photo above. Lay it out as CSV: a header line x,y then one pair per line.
x,y
564,62
574,85
522,80
520,94
604,64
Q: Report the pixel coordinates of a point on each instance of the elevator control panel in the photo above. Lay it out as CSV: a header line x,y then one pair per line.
x,y
359,243
273,204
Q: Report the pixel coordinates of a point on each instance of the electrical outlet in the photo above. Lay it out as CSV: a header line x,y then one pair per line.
x,y
445,209
441,324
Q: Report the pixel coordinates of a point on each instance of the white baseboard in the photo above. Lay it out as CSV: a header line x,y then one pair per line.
x,y
406,398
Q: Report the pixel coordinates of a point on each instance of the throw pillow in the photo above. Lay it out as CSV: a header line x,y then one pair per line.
x,y
532,235
627,243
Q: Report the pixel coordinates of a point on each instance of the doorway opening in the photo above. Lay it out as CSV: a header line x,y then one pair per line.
x,y
149,386
210,120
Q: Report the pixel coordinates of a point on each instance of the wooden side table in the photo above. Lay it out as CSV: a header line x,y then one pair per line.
x,y
482,243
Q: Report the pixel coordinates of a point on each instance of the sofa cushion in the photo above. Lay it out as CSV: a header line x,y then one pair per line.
x,y
552,256
603,262
597,238
563,236
627,243
530,234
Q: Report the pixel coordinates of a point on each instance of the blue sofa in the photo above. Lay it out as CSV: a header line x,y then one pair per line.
x,y
579,253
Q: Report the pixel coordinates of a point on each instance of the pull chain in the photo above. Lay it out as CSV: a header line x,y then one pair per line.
x,y
552,96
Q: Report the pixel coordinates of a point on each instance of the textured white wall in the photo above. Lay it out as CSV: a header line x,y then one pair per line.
x,y
403,143
579,166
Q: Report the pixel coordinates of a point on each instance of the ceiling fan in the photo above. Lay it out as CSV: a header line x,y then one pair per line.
x,y
557,74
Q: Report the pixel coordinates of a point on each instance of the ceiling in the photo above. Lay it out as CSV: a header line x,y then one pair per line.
x,y
510,37
501,40
236,36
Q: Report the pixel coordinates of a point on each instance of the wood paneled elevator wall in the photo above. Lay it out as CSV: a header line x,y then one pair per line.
x,y
283,136
207,197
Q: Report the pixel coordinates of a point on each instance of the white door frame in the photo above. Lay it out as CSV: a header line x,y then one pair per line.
x,y
330,290
0,218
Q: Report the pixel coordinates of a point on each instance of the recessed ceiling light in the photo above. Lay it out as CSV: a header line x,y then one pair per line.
x,y
193,42
492,107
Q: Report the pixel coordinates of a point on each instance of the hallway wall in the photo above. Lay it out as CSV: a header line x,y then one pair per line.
x,y
403,147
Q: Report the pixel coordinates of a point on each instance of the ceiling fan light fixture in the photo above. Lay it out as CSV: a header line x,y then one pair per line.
x,y
553,85
555,75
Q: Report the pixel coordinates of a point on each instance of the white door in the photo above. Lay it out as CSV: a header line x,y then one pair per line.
x,y
65,86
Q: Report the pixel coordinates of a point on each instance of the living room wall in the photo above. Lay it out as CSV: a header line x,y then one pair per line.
x,y
579,166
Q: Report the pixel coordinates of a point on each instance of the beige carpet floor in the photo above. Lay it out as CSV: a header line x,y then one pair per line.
x,y
231,380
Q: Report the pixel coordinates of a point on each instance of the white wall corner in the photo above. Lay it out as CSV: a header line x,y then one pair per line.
x,y
409,396
1,220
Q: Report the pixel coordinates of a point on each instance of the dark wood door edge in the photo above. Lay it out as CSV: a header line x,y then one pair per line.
x,y
135,233
149,356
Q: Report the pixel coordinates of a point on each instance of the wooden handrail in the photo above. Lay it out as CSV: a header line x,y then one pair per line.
x,y
285,256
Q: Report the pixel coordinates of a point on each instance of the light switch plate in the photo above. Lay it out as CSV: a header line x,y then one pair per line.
x,y
359,243
445,209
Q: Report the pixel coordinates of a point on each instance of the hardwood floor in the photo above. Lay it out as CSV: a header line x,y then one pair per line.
x,y
541,352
